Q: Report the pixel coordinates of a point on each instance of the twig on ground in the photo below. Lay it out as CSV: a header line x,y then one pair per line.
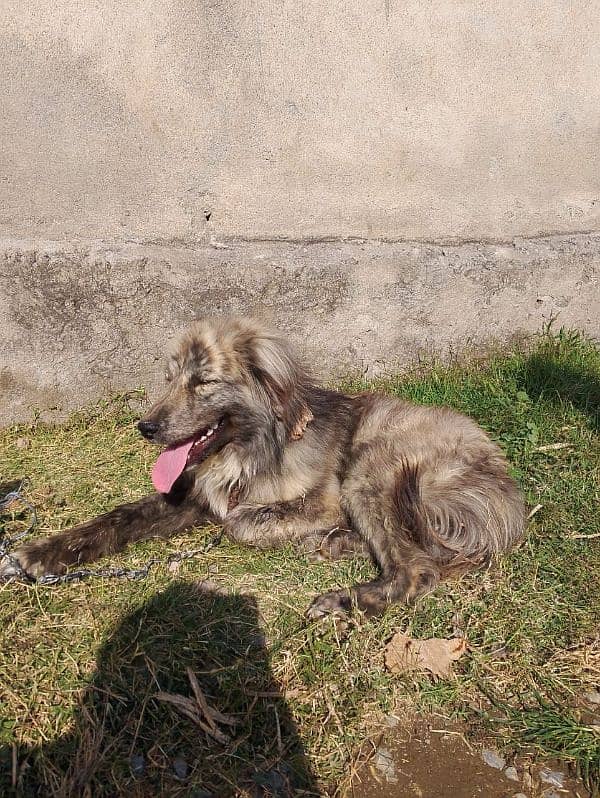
x,y
199,711
552,447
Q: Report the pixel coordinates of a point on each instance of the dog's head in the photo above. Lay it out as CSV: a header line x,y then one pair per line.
x,y
230,381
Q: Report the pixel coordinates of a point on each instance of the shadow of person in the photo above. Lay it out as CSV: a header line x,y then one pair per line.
x,y
127,741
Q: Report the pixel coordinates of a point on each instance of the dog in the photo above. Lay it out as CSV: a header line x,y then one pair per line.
x,y
253,443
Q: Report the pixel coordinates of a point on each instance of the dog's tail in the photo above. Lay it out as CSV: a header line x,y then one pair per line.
x,y
461,515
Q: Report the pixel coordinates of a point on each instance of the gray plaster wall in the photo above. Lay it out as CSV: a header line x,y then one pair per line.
x,y
81,321
397,119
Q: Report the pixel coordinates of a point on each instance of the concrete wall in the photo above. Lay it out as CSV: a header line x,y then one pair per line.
x,y
399,119
153,153
81,321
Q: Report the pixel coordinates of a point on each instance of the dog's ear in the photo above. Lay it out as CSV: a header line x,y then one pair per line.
x,y
284,382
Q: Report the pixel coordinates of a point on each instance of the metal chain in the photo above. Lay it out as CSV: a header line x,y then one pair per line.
x,y
7,544
85,573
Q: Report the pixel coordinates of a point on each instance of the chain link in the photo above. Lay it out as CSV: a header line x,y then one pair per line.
x,y
85,573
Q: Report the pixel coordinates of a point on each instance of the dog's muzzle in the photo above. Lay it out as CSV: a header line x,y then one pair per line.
x,y
148,428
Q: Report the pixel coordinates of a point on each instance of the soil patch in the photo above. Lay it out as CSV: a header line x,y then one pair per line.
x,y
426,760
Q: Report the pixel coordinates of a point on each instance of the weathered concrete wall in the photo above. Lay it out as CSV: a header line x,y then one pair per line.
x,y
283,119
79,321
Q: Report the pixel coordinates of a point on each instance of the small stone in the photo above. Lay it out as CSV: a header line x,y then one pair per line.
x,y
553,777
592,697
391,721
493,759
519,795
511,773
180,767
384,762
137,763
22,443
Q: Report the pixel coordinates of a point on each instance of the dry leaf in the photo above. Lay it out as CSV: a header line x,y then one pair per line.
x,y
435,655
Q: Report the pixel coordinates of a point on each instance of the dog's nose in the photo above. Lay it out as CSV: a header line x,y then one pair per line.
x,y
148,428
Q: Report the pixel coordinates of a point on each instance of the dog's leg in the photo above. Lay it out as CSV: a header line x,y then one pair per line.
x,y
154,516
274,525
407,573
334,544
406,569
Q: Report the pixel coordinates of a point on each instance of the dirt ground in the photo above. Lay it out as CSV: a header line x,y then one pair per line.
x,y
429,760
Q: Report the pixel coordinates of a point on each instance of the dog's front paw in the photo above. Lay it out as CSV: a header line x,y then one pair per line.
x,y
336,604
31,560
10,568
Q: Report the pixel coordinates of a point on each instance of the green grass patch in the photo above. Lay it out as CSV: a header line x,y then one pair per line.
x,y
81,664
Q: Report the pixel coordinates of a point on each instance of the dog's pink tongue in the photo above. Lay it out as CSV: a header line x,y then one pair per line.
x,y
169,466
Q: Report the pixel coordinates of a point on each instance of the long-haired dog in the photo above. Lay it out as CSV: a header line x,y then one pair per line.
x,y
252,443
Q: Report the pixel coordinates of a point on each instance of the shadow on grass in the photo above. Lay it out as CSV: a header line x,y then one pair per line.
x,y
549,378
126,742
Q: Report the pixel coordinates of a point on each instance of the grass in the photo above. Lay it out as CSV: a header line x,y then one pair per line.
x,y
81,664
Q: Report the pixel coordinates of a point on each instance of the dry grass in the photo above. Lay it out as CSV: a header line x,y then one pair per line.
x,y
82,665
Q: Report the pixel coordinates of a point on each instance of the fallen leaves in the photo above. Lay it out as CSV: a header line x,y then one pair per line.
x,y
199,711
404,654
